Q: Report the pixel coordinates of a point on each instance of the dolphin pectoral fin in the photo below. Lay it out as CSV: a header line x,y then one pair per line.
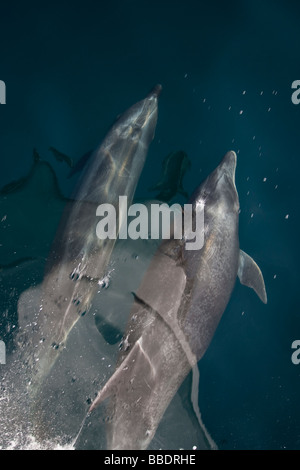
x,y
250,275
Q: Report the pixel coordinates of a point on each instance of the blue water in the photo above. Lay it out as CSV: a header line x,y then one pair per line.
x,y
226,69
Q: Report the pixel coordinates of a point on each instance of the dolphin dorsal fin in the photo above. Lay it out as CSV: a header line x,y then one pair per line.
x,y
251,276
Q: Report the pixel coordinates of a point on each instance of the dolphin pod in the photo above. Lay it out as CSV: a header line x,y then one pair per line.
x,y
175,313
78,258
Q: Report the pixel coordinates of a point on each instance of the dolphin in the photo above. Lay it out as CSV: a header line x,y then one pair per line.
x,y
62,157
176,311
78,258
174,167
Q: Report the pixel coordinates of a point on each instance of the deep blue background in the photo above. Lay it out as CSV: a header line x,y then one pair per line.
x,y
226,69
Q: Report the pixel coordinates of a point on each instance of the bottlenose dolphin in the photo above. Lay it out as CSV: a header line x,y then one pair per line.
x,y
78,258
176,311
62,157
174,167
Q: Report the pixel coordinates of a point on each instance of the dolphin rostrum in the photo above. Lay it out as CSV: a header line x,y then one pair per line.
x,y
175,313
78,258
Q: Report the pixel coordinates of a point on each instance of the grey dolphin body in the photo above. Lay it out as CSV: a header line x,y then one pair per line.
x,y
78,259
176,311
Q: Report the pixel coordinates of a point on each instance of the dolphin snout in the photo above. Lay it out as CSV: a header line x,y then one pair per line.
x,y
155,92
228,164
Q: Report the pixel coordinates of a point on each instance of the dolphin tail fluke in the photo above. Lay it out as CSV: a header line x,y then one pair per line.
x,y
251,276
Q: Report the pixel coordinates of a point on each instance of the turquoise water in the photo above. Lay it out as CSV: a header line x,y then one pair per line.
x,y
226,71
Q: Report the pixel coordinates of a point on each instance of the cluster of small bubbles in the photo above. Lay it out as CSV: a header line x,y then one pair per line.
x,y
104,283
74,275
